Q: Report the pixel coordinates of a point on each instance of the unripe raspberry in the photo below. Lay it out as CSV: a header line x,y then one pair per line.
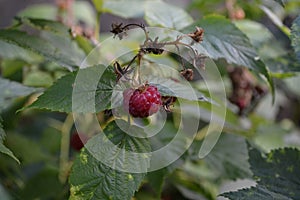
x,y
142,102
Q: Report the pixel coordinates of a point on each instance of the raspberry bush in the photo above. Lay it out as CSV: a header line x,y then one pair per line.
x,y
166,101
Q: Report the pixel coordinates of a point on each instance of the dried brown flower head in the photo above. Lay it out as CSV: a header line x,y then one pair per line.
x,y
119,30
168,101
197,36
188,74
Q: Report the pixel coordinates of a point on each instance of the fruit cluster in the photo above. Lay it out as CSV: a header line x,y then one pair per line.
x,y
146,100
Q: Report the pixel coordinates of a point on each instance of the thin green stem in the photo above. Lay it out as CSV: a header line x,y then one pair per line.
x,y
97,26
64,148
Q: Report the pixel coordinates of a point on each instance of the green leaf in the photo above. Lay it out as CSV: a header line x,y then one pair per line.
x,y
58,35
159,13
257,33
190,187
44,11
9,91
124,9
38,79
20,146
277,174
90,92
280,168
283,64
58,97
12,69
180,89
11,51
53,48
230,44
156,180
46,25
85,44
260,193
82,10
166,136
38,186
295,36
275,56
4,149
7,151
229,157
270,136
92,179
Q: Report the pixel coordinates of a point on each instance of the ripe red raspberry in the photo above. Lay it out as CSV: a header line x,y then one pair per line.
x,y
142,102
78,140
242,104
